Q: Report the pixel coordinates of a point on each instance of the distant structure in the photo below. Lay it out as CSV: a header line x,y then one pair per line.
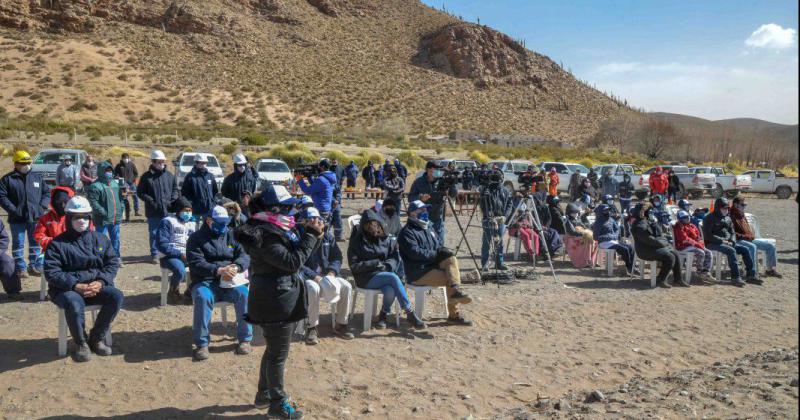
x,y
506,140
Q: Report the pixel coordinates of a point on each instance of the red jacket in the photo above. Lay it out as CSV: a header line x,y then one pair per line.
x,y
50,224
687,235
658,183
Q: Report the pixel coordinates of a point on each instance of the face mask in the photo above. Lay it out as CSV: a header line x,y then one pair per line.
x,y
68,163
724,212
423,216
126,160
80,225
389,211
220,228
24,169
185,216
438,173
240,168
109,175
657,203
90,163
201,167
159,166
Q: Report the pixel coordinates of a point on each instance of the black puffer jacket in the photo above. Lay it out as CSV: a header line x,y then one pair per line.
x,y
367,257
277,293
157,189
238,182
648,238
208,251
718,229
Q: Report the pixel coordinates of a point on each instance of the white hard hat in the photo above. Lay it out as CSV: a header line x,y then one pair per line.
x,y
329,289
200,158
239,159
157,155
78,204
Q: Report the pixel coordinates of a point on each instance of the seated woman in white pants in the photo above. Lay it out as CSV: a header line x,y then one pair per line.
x,y
321,274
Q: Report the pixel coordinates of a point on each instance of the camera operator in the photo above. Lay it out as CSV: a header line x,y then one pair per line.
x,y
424,189
393,186
496,206
321,189
530,178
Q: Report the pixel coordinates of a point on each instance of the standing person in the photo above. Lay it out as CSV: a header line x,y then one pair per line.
x,y
378,171
126,170
80,266
12,284
468,179
593,179
67,174
606,232
658,182
674,186
200,187
552,182
171,239
277,297
609,184
239,181
351,174
336,205
575,181
339,171
215,256
106,202
51,224
393,186
651,245
496,206
626,191
424,189
25,197
88,171
158,189
369,175
746,237
402,171
386,166
688,239
719,236
322,189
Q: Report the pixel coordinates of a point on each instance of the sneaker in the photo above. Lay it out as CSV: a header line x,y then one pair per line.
x,y
22,274
381,322
343,332
153,259
755,280
773,273
460,297
33,271
284,410
243,348
82,353
738,282
261,400
414,320
311,336
502,267
459,320
174,297
16,297
201,354
99,347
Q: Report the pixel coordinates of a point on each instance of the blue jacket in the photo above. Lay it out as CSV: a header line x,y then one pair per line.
x,y
157,189
351,172
207,252
402,171
327,257
200,188
605,229
418,247
235,183
73,258
321,190
24,197
4,238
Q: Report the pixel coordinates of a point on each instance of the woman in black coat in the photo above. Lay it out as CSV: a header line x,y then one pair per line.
x,y
652,245
277,296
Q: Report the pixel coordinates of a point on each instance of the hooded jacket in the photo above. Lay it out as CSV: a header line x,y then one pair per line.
x,y
718,229
351,172
687,235
105,199
157,189
277,293
321,191
609,185
626,188
418,247
556,216
370,256
50,224
604,228
200,188
73,258
647,238
658,182
237,182
327,257
25,197
571,225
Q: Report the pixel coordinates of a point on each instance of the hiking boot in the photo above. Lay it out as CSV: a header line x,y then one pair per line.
x,y
381,322
201,354
262,400
738,282
311,336
501,267
16,297
82,353
174,297
459,320
414,320
153,260
33,271
773,273
284,410
22,274
343,332
244,348
755,280
459,297
99,347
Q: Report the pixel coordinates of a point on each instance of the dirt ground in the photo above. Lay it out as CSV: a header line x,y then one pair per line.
x,y
541,339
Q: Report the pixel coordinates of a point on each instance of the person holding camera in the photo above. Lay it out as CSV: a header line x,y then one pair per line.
x,y
496,205
428,262
322,189
393,186
425,189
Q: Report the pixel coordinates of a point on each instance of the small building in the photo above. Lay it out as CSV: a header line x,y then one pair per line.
x,y
522,140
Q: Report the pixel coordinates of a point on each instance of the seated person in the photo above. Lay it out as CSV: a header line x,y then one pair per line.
x,y
745,236
606,232
688,239
374,260
696,215
652,245
718,235
578,240
321,272
171,237
556,214
51,224
80,266
521,227
236,214
213,255
387,210
428,263
552,239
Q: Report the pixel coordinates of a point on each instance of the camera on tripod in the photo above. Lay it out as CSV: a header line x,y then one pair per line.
x,y
526,179
486,177
448,180
309,171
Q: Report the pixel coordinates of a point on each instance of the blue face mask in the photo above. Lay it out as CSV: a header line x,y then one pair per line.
x,y
219,228
423,216
438,173
109,175
185,216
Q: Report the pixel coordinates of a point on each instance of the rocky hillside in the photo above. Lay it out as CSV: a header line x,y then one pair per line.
x,y
394,64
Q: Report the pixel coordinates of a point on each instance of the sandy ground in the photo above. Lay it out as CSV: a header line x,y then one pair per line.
x,y
537,339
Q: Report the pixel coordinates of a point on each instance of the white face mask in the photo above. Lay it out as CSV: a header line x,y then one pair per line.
x,y
24,169
126,160
80,225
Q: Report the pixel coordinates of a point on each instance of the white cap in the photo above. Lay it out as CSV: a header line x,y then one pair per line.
x,y
157,155
200,158
312,212
219,214
239,159
329,289
284,197
78,204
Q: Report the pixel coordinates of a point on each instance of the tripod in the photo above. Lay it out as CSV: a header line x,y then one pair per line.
x,y
531,214
462,230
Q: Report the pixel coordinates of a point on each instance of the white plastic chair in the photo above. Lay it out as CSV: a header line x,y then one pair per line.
x,y
63,330
653,270
352,222
609,256
371,304
419,298
43,290
760,254
687,260
165,272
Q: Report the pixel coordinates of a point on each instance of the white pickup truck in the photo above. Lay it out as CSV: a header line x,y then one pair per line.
x,y
772,182
728,183
641,186
692,184
565,171
511,170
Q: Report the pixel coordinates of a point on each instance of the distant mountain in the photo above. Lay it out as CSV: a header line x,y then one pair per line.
x,y
738,127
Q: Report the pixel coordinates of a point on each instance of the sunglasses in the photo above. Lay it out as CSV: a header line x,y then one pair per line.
x,y
82,217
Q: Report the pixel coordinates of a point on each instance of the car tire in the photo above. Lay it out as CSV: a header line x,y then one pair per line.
x,y
783,192
718,191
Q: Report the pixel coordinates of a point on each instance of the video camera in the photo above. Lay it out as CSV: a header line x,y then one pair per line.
x,y
448,179
309,171
527,179
486,177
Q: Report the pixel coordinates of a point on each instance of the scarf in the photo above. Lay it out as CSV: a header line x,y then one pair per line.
x,y
281,221
421,223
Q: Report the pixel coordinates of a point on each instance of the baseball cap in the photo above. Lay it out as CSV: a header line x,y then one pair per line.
x,y
416,205
432,164
200,158
312,212
683,215
219,214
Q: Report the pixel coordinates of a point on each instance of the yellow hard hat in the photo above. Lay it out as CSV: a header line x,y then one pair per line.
x,y
21,156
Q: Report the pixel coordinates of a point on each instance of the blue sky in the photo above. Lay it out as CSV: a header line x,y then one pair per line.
x,y
714,59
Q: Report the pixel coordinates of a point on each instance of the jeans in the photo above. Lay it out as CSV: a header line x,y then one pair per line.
x,y
486,241
342,306
35,256
152,227
178,269
8,275
204,295
112,232
390,286
438,227
730,252
273,363
760,244
336,215
127,202
110,298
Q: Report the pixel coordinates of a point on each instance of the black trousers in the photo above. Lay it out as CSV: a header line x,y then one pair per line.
x,y
669,260
273,363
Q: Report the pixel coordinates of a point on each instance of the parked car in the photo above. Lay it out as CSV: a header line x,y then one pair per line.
x,y
772,182
274,172
459,164
511,170
185,162
692,184
728,183
565,171
642,187
46,162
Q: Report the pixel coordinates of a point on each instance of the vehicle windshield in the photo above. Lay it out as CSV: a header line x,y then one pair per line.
x,y
701,170
680,169
578,168
52,158
602,169
188,160
273,167
462,164
520,167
